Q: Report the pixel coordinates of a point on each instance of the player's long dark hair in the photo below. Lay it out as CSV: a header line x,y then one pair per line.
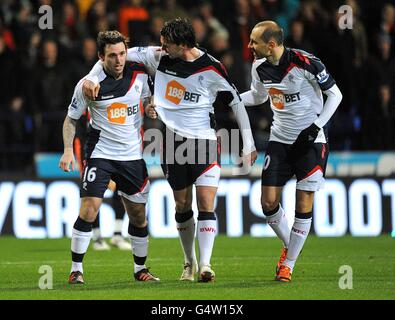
x,y
180,32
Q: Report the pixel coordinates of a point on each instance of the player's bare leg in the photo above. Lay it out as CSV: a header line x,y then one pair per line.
x,y
186,230
138,233
117,240
82,233
276,218
206,230
299,233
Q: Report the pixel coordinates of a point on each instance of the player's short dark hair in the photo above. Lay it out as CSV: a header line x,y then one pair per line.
x,y
180,32
273,33
110,37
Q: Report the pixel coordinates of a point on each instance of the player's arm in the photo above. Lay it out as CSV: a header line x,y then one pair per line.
x,y
67,158
76,108
148,101
315,71
243,122
231,97
257,94
334,97
149,56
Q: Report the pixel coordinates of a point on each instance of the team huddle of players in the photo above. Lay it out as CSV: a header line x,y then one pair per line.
x,y
187,81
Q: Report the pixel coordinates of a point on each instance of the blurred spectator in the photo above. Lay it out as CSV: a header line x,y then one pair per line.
x,y
100,17
315,20
359,35
16,132
155,27
169,9
201,31
134,22
50,94
83,7
296,38
240,28
378,107
85,60
23,25
70,28
206,12
41,73
8,67
287,9
388,22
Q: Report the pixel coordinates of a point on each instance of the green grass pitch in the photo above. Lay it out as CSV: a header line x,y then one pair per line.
x,y
244,268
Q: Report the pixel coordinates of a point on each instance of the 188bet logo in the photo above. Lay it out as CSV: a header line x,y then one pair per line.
x,y
175,92
117,112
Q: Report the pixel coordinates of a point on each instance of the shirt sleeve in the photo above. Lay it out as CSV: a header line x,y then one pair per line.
x,y
334,97
231,97
78,104
315,70
257,93
220,83
149,56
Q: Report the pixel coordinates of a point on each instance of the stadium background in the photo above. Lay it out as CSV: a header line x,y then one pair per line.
x,y
41,67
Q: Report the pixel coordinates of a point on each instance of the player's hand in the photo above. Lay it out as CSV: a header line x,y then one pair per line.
x,y
150,111
67,159
90,89
250,158
307,136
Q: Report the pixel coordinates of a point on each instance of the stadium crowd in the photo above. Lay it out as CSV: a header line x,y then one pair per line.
x,y
40,67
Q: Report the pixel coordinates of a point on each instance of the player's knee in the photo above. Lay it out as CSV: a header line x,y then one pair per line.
x,y
269,205
183,205
136,215
139,221
205,204
88,213
304,207
89,210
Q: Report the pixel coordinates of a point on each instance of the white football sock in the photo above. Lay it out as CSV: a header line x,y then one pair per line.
x,y
76,266
79,244
140,250
206,230
186,231
278,222
118,226
96,234
299,233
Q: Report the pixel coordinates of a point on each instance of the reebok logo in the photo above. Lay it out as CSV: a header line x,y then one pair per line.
x,y
171,72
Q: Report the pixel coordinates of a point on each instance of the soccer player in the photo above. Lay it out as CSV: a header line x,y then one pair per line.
x,y
113,151
99,244
187,82
298,143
